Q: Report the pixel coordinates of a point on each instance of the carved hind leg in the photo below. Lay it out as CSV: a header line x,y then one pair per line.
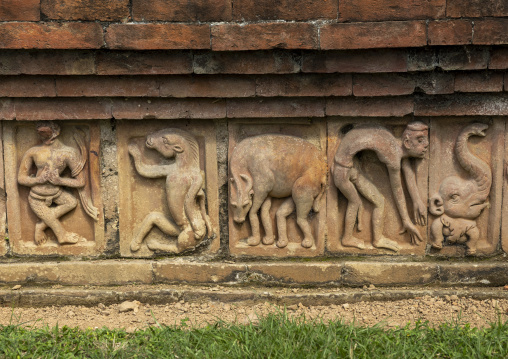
x,y
474,235
267,221
153,219
303,196
202,207
436,234
286,208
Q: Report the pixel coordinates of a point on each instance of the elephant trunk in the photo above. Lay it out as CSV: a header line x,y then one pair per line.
x,y
477,169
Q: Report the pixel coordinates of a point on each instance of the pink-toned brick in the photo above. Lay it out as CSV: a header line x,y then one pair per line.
x,y
111,10
476,8
379,10
106,86
491,32
20,10
450,32
382,85
207,86
181,10
32,109
275,107
27,86
479,82
299,10
304,85
369,106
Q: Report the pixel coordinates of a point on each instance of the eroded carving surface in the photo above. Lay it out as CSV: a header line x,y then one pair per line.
x,y
396,155
188,221
265,167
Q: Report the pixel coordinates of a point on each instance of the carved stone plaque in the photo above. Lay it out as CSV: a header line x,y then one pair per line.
x,y
465,185
53,183
277,182
168,186
378,181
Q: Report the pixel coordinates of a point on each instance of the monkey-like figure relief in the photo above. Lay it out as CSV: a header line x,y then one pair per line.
x,y
48,199
276,166
189,221
459,201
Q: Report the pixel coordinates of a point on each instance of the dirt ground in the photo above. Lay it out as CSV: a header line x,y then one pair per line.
x,y
391,314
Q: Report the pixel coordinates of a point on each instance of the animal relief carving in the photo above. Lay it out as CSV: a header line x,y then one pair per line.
x,y
189,221
460,201
276,166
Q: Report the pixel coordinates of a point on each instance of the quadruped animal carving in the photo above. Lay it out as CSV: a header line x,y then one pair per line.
x,y
395,154
460,201
185,195
276,166
48,199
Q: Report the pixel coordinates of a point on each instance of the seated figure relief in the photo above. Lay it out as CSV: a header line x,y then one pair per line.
x,y
189,221
48,198
276,166
396,155
460,201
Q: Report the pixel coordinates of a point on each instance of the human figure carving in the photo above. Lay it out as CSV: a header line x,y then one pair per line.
x,y
184,191
395,154
459,201
48,199
276,166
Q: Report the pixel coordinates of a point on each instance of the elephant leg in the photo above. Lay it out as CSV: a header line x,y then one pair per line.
x,y
267,221
474,236
436,234
303,196
257,201
286,208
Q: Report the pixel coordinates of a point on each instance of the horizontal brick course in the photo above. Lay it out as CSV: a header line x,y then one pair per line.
x,y
435,83
463,58
33,109
20,10
15,62
275,107
144,63
476,8
181,10
450,32
248,10
462,105
106,86
491,32
369,107
7,111
479,82
86,10
373,35
382,85
207,86
231,37
498,59
378,10
304,85
27,86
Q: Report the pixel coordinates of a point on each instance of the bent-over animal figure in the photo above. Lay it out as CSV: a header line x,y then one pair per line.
x,y
184,191
459,201
276,166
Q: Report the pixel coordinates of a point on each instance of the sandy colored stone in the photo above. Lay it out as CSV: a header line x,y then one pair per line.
x,y
298,273
386,274
40,273
481,274
192,272
110,272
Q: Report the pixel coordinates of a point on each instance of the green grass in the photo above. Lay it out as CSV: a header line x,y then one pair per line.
x,y
276,336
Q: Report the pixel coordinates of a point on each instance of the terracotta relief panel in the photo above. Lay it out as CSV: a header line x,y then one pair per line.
x,y
377,194
54,205
465,186
3,198
168,185
277,184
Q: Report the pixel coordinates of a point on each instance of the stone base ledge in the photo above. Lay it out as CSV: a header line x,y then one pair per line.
x,y
311,274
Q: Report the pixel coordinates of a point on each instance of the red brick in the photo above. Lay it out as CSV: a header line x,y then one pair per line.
x,y
369,61
144,63
435,83
257,62
181,10
275,107
231,37
369,107
491,32
476,8
422,59
15,62
106,86
382,85
51,35
158,36
378,10
207,86
7,109
479,82
463,59
304,85
450,32
248,10
463,105
32,109
20,10
27,86
135,109
373,35
86,10
499,59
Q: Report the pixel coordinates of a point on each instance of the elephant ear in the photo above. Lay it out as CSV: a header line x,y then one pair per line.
x,y
436,205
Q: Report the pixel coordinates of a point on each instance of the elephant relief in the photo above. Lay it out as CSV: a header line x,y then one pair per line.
x,y
276,166
185,195
459,202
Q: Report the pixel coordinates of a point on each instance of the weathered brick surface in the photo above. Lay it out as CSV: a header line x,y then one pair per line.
x,y
463,59
498,59
247,10
481,274
137,109
170,272
20,10
275,107
435,83
491,32
389,274
378,10
144,63
289,273
258,62
105,273
462,105
476,8
27,86
231,37
479,82
52,35
85,10
181,10
15,62
369,107
355,61
450,32
7,109
382,85
373,35
207,86
106,86
422,59
33,109
157,36
304,85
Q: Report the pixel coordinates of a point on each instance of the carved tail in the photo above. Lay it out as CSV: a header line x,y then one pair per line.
x,y
84,195
478,169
